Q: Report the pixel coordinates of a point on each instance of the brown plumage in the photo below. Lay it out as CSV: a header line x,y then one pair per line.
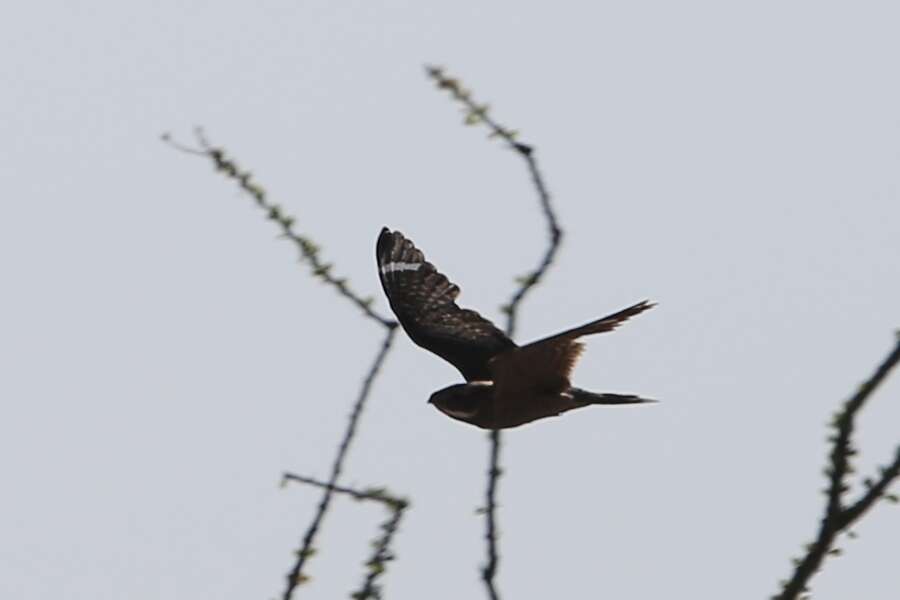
x,y
507,385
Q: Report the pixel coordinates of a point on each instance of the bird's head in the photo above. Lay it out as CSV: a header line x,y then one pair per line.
x,y
463,401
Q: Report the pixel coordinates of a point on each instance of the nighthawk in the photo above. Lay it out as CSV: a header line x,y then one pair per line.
x,y
506,385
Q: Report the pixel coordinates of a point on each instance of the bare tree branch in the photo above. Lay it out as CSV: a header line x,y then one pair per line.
x,y
381,554
295,576
839,516
475,114
489,570
309,251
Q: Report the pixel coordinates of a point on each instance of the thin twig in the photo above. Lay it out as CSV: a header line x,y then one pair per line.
x,y
309,250
296,576
489,570
480,113
839,516
377,494
381,554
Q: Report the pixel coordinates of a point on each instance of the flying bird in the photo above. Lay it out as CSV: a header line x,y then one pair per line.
x,y
506,385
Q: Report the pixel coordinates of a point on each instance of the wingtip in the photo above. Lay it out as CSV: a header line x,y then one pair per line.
x,y
636,309
382,245
641,307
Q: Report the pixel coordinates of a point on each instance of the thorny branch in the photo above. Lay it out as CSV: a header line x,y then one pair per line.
x,y
309,251
296,576
839,515
479,113
381,553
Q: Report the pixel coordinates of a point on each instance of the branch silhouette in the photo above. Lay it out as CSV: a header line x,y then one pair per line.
x,y
309,251
381,554
839,514
475,114
296,576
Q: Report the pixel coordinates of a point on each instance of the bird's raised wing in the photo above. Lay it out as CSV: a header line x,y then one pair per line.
x,y
545,365
424,301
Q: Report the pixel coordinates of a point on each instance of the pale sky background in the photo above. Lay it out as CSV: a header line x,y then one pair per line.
x,y
165,358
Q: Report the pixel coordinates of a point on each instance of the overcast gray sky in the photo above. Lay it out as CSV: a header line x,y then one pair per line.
x,y
165,358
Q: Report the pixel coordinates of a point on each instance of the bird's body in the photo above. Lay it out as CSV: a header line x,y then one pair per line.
x,y
479,404
507,385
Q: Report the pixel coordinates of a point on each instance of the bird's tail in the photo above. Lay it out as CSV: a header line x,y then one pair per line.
x,y
584,397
